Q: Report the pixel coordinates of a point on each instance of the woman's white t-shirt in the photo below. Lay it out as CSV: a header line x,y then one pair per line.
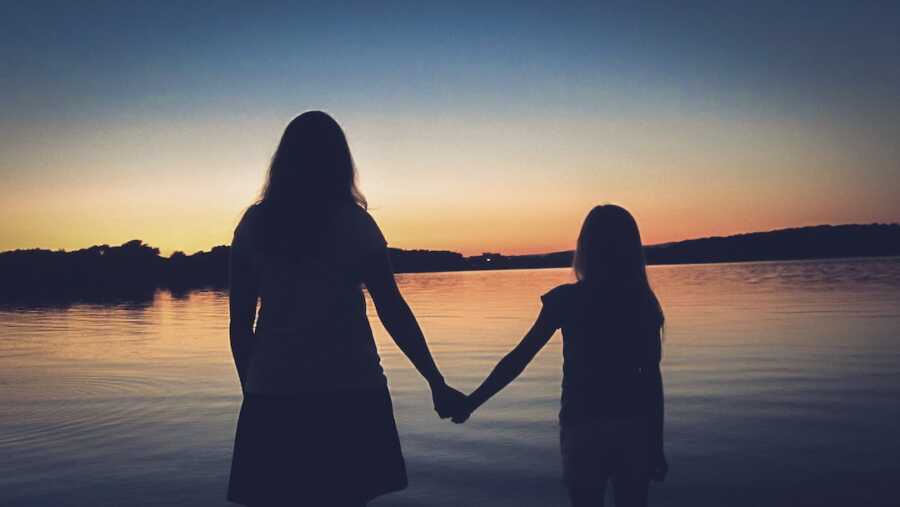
x,y
312,333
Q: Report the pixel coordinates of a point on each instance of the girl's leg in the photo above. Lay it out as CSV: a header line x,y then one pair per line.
x,y
630,492
587,497
587,464
630,478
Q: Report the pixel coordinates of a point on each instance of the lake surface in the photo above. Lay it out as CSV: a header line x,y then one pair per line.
x,y
782,382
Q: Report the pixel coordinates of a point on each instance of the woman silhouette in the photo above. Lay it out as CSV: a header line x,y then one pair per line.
x,y
316,426
611,419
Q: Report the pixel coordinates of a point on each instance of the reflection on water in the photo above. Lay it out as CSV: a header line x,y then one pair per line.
x,y
782,383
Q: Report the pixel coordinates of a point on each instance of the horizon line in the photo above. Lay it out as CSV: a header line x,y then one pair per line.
x,y
211,248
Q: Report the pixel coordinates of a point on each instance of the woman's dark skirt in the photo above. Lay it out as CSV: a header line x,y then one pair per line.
x,y
316,449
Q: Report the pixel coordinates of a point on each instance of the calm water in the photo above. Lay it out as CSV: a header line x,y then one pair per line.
x,y
782,381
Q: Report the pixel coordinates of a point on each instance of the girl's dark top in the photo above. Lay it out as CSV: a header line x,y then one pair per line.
x,y
611,350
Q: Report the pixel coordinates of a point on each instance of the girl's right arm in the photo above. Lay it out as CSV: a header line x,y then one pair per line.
x,y
512,365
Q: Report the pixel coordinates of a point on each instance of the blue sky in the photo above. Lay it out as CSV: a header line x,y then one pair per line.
x,y
156,120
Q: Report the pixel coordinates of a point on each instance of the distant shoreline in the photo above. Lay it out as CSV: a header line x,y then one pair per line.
x,y
136,270
706,263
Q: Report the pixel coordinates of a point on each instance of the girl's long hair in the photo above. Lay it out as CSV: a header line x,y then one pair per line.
x,y
609,257
311,176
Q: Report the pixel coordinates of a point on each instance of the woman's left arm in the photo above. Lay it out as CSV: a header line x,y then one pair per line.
x,y
243,294
401,324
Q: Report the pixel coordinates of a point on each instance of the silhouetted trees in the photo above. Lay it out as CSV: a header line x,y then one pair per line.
x,y
134,270
420,261
819,242
130,271
201,269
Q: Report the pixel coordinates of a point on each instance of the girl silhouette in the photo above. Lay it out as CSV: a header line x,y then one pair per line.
x,y
611,419
316,426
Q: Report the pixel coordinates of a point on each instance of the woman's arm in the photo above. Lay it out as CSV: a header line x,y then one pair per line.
x,y
512,365
242,298
401,324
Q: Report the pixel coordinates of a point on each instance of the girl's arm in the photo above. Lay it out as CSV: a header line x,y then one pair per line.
x,y
401,324
512,365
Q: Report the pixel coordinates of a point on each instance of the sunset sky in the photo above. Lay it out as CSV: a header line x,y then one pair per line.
x,y
475,127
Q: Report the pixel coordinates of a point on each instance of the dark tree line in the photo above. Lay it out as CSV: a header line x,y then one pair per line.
x,y
819,242
134,270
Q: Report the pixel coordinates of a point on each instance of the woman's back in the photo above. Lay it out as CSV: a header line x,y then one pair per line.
x,y
313,333
316,426
610,345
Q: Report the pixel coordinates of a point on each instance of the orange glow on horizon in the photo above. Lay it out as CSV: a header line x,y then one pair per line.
x,y
455,184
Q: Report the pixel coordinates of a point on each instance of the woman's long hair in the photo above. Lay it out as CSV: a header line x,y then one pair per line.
x,y
311,175
609,257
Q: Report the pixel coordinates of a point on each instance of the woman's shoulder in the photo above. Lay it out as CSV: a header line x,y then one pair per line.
x,y
354,212
356,221
249,220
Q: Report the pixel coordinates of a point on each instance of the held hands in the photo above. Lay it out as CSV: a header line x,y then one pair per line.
x,y
464,413
450,403
447,400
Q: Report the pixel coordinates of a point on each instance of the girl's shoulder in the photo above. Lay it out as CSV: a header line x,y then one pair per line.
x,y
559,301
562,295
562,290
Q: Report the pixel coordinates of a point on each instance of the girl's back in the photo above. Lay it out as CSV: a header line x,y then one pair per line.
x,y
610,346
611,420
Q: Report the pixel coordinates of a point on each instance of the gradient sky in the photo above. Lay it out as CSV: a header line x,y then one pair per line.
x,y
475,127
